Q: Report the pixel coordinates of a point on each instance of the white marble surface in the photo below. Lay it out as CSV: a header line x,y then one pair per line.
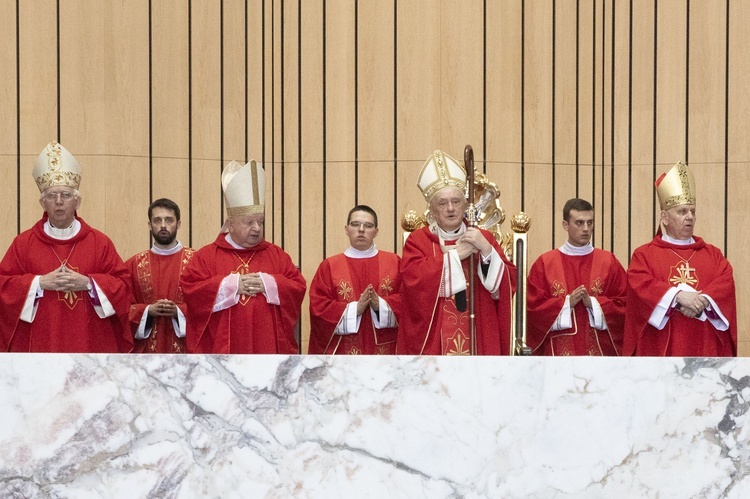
x,y
84,426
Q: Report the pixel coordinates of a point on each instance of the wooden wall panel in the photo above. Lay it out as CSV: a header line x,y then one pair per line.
x,y
104,112
170,117
504,105
376,117
340,124
706,115
233,89
738,148
538,122
588,100
205,132
461,78
9,161
564,150
641,216
312,140
418,96
38,97
617,220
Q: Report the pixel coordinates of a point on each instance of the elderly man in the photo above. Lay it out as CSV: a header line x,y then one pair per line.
x,y
576,293
157,315
434,274
681,298
354,296
243,293
63,287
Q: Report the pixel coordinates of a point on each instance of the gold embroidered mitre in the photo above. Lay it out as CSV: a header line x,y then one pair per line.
x,y
676,187
56,166
244,188
439,172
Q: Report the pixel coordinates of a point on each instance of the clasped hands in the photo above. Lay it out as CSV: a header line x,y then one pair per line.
x,y
580,295
163,308
251,284
64,279
472,241
369,298
691,303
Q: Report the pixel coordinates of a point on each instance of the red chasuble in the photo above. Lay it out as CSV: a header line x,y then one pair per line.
x,y
252,325
341,280
658,266
431,324
64,321
554,276
156,277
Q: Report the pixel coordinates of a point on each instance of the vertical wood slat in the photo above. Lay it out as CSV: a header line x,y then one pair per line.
x,y
9,217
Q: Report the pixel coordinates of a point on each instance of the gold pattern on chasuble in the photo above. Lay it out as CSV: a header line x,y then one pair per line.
x,y
355,351
683,273
386,286
70,298
558,289
458,344
596,287
243,269
345,290
144,275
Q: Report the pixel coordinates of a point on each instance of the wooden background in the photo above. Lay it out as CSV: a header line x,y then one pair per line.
x,y
343,100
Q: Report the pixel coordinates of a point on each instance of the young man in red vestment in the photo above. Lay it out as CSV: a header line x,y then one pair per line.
x,y
575,298
681,298
63,287
157,315
434,274
354,296
243,294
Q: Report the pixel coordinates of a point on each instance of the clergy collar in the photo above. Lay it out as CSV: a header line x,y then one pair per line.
x,y
355,253
445,235
166,252
228,238
679,242
63,234
570,250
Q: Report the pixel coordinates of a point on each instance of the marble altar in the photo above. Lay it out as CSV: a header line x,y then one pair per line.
x,y
189,426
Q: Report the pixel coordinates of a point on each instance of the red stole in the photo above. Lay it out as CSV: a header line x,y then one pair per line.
x,y
455,333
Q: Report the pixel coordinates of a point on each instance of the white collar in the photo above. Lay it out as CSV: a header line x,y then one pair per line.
x,y
355,253
64,234
570,250
679,242
166,252
445,235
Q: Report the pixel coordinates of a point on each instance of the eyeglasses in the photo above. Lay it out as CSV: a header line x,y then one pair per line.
x,y
64,195
356,225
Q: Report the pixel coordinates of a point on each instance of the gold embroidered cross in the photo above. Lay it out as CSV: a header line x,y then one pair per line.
x,y
557,289
684,270
386,286
596,287
345,291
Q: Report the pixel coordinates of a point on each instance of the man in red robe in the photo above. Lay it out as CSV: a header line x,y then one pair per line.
x,y
243,294
354,296
63,287
575,298
681,296
434,273
157,315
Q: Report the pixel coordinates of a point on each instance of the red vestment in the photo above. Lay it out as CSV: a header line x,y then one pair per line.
x,y
64,321
555,275
658,266
156,277
431,324
252,325
341,280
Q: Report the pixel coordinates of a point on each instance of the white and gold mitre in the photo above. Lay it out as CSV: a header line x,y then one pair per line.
x,y
440,171
56,166
244,188
676,187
